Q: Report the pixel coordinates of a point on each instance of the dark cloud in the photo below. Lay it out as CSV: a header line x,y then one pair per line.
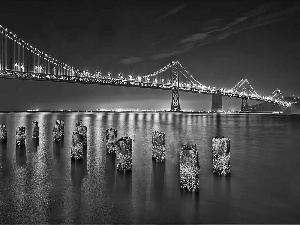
x,y
211,24
215,32
169,54
222,36
261,9
263,23
195,37
236,21
131,60
276,15
160,41
249,24
172,11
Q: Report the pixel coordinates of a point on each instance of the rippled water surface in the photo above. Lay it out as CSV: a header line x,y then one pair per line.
x,y
40,183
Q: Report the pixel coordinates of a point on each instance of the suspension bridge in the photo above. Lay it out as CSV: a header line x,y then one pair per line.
x,y
21,60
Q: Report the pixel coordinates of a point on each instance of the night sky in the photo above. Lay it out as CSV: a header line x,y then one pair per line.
x,y
219,42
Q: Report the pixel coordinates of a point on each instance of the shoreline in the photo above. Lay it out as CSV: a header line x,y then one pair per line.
x,y
150,111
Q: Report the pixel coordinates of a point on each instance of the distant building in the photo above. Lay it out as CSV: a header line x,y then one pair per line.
x,y
270,107
292,99
265,107
295,108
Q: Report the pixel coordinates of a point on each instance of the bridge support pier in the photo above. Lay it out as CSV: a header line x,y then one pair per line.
x,y
216,102
175,105
244,107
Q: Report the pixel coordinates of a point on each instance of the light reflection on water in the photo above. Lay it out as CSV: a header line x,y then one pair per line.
x,y
40,184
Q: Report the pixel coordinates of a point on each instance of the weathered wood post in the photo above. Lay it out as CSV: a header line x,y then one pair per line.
x,y
58,130
35,129
76,147
124,154
158,146
20,136
82,132
111,137
61,126
221,155
3,133
189,167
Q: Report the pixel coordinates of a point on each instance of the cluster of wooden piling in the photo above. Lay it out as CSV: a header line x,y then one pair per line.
x,y
20,134
188,155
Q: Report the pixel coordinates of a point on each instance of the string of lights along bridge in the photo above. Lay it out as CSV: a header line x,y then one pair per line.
x,y
21,60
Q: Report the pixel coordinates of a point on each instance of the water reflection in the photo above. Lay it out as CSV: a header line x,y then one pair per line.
x,y
56,149
79,169
3,150
156,121
189,208
222,197
110,172
157,184
41,184
218,125
21,155
123,188
35,144
18,195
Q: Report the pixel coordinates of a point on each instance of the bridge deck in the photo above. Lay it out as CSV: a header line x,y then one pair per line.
x,y
10,74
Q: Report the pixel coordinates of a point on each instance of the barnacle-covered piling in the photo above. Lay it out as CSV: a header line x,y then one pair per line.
x,y
3,133
20,136
189,167
58,130
76,147
82,132
35,129
221,156
158,146
111,138
124,154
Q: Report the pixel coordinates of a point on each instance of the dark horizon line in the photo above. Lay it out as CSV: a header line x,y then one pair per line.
x,y
138,111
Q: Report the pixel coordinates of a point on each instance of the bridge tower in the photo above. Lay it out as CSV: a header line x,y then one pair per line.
x,y
244,106
175,105
216,102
